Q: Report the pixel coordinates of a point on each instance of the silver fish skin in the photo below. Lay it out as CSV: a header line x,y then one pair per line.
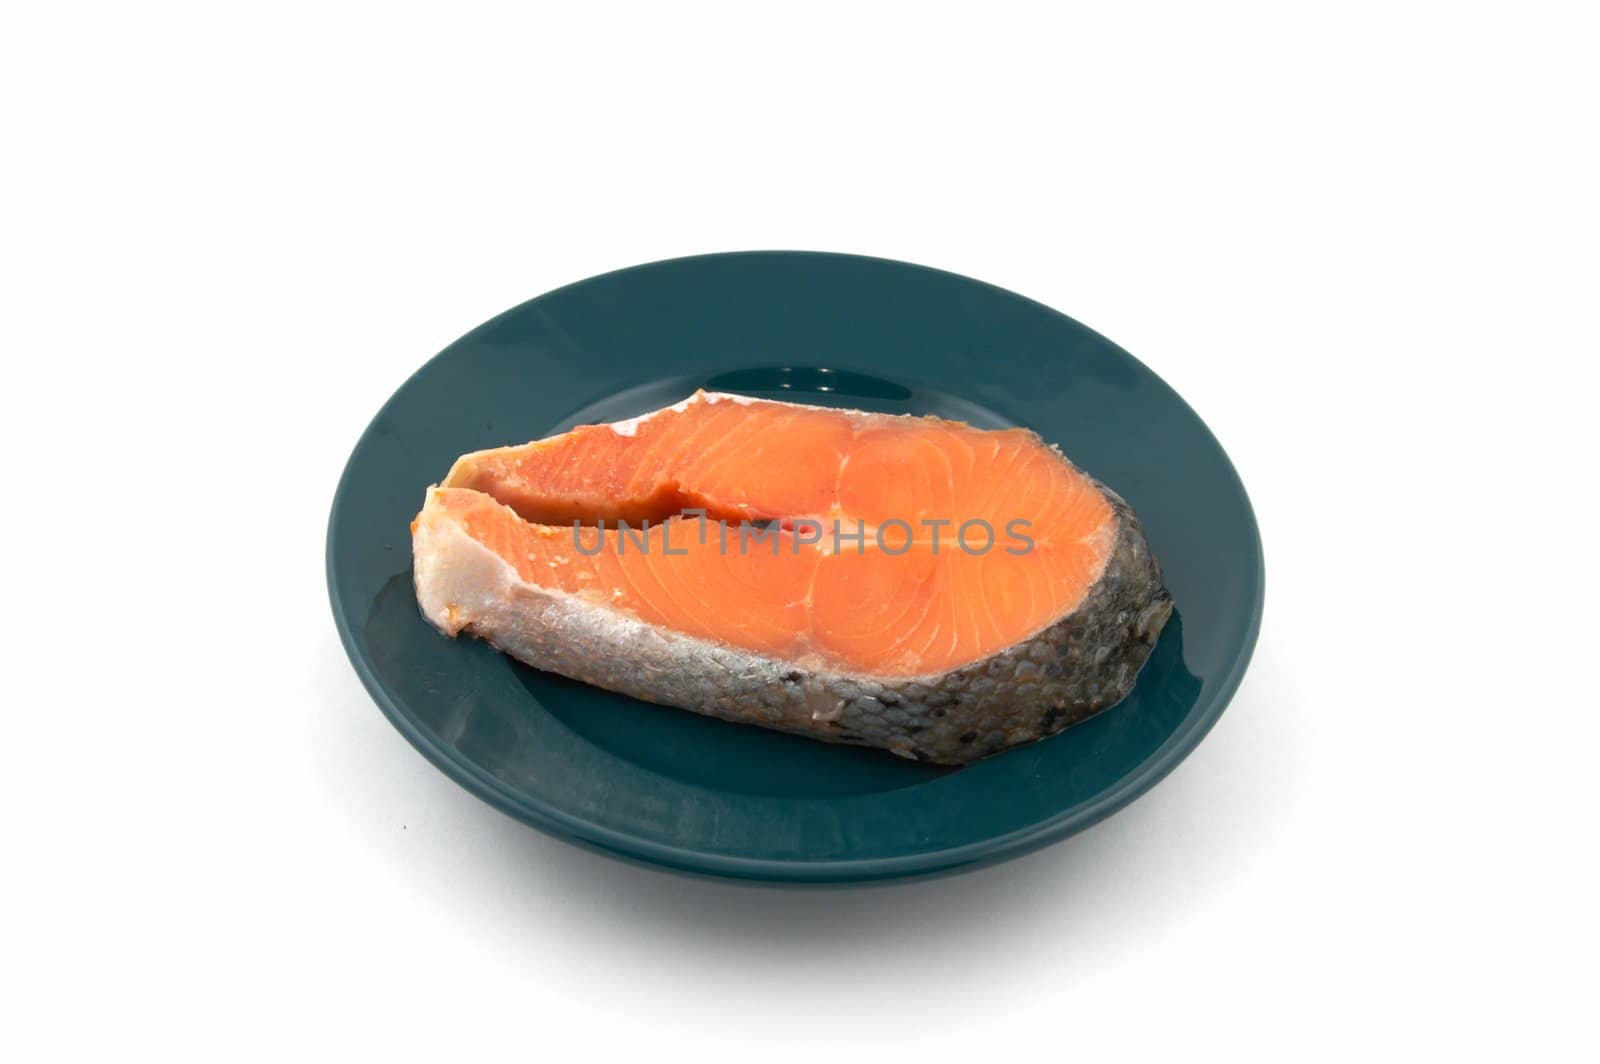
x,y
1079,665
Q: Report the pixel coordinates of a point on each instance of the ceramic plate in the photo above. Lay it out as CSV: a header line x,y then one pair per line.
x,y
667,787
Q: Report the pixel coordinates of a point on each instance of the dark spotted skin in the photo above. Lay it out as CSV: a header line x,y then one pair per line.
x,y
1084,663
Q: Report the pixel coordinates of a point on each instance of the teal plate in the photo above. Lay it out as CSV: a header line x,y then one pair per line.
x,y
693,794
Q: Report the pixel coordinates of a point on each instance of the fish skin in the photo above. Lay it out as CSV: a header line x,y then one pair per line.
x,y
1079,665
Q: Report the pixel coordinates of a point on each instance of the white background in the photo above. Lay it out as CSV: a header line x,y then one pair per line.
x,y
1361,240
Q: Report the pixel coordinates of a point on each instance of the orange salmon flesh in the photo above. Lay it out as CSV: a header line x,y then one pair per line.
x,y
914,601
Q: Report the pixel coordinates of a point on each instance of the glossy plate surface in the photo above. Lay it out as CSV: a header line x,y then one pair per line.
x,y
674,789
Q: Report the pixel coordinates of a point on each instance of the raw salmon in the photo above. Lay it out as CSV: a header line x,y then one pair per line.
x,y
904,582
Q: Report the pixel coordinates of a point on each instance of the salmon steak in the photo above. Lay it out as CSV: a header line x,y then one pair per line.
x,y
920,585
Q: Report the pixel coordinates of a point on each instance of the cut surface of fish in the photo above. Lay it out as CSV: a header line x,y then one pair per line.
x,y
911,583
